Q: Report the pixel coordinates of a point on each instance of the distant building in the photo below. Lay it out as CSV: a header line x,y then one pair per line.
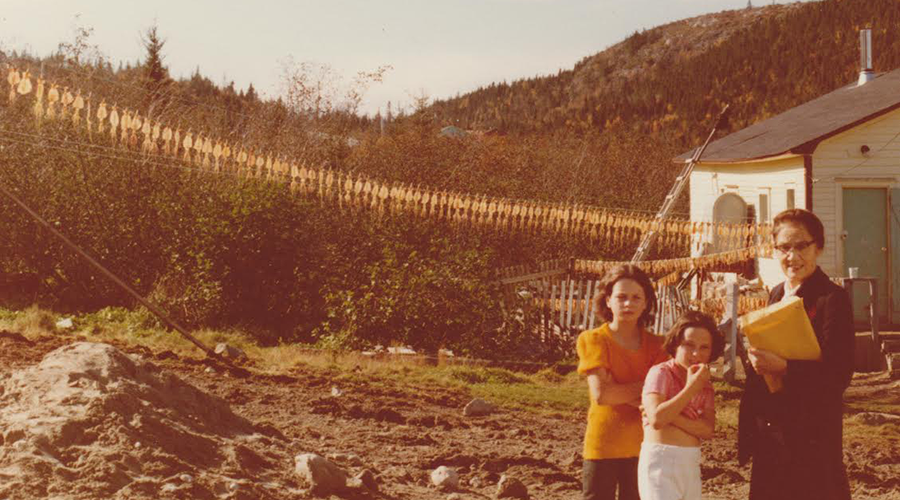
x,y
453,131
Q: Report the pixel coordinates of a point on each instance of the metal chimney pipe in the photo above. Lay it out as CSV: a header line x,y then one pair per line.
x,y
865,57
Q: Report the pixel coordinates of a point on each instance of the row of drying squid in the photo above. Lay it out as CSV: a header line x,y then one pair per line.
x,y
715,306
128,129
673,268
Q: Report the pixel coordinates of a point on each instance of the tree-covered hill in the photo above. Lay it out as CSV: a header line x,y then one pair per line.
x,y
667,81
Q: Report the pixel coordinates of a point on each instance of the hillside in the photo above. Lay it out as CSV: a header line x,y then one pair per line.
x,y
669,81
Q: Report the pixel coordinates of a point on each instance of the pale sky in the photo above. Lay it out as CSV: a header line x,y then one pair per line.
x,y
439,48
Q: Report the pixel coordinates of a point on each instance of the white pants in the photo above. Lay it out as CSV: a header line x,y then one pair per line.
x,y
667,472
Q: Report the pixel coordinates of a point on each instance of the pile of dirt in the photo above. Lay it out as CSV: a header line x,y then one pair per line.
x,y
91,422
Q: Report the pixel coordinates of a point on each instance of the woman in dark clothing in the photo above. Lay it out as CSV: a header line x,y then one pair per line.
x,y
795,435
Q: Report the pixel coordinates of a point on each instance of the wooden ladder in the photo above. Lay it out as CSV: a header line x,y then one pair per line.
x,y
680,182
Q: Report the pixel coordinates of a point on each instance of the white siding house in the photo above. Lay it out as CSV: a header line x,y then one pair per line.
x,y
837,155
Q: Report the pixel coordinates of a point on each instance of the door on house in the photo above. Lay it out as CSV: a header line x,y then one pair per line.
x,y
894,224
866,247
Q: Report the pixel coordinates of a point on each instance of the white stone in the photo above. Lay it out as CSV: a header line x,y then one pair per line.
x,y
64,324
401,350
445,478
229,352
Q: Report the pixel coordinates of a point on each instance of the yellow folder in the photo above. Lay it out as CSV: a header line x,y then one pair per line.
x,y
782,328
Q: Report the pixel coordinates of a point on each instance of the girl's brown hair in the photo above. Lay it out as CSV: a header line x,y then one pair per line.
x,y
695,319
626,272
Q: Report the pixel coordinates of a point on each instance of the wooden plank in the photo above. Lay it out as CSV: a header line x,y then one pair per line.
x,y
659,310
593,316
583,304
562,303
576,303
589,304
552,309
576,309
545,314
531,277
732,296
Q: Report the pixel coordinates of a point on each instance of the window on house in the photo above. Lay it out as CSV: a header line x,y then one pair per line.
x,y
790,199
763,207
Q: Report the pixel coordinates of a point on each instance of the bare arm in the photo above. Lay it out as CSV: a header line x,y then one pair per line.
x,y
701,428
605,391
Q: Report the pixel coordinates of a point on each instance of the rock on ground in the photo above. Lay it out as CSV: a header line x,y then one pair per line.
x,y
478,407
445,478
89,421
510,487
323,476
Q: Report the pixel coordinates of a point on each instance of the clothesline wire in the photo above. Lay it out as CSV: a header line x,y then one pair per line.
x,y
252,117
189,102
156,159
133,157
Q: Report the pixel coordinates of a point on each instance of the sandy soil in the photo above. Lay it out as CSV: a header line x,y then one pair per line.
x,y
123,427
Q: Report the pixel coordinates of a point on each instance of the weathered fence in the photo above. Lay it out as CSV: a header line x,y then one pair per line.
x,y
567,304
567,300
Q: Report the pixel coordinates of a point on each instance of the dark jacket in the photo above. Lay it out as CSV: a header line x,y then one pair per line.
x,y
795,434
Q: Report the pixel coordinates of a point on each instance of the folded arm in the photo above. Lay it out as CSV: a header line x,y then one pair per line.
x,y
661,413
606,391
701,428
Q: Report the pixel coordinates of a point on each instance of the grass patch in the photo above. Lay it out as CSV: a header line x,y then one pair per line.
x,y
565,399
536,392
545,392
31,322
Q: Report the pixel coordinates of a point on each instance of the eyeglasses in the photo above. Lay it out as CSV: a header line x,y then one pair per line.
x,y
786,248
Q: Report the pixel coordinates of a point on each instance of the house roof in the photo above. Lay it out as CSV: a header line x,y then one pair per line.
x,y
799,129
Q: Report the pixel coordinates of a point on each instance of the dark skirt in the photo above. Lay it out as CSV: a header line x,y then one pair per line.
x,y
795,469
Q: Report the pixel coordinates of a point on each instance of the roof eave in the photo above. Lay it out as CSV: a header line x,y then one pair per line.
x,y
731,161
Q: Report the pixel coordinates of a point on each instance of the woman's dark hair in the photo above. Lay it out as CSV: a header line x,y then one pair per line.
x,y
626,272
805,218
694,319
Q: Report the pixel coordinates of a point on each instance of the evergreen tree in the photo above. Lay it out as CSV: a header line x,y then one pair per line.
x,y
156,76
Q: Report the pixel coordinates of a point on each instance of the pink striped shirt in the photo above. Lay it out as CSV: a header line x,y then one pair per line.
x,y
668,379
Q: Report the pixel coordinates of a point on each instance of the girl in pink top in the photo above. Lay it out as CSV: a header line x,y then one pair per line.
x,y
679,411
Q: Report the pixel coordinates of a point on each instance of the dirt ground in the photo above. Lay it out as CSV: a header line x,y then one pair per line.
x,y
142,443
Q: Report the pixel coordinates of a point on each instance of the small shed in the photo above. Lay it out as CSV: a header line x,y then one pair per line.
x,y
838,156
